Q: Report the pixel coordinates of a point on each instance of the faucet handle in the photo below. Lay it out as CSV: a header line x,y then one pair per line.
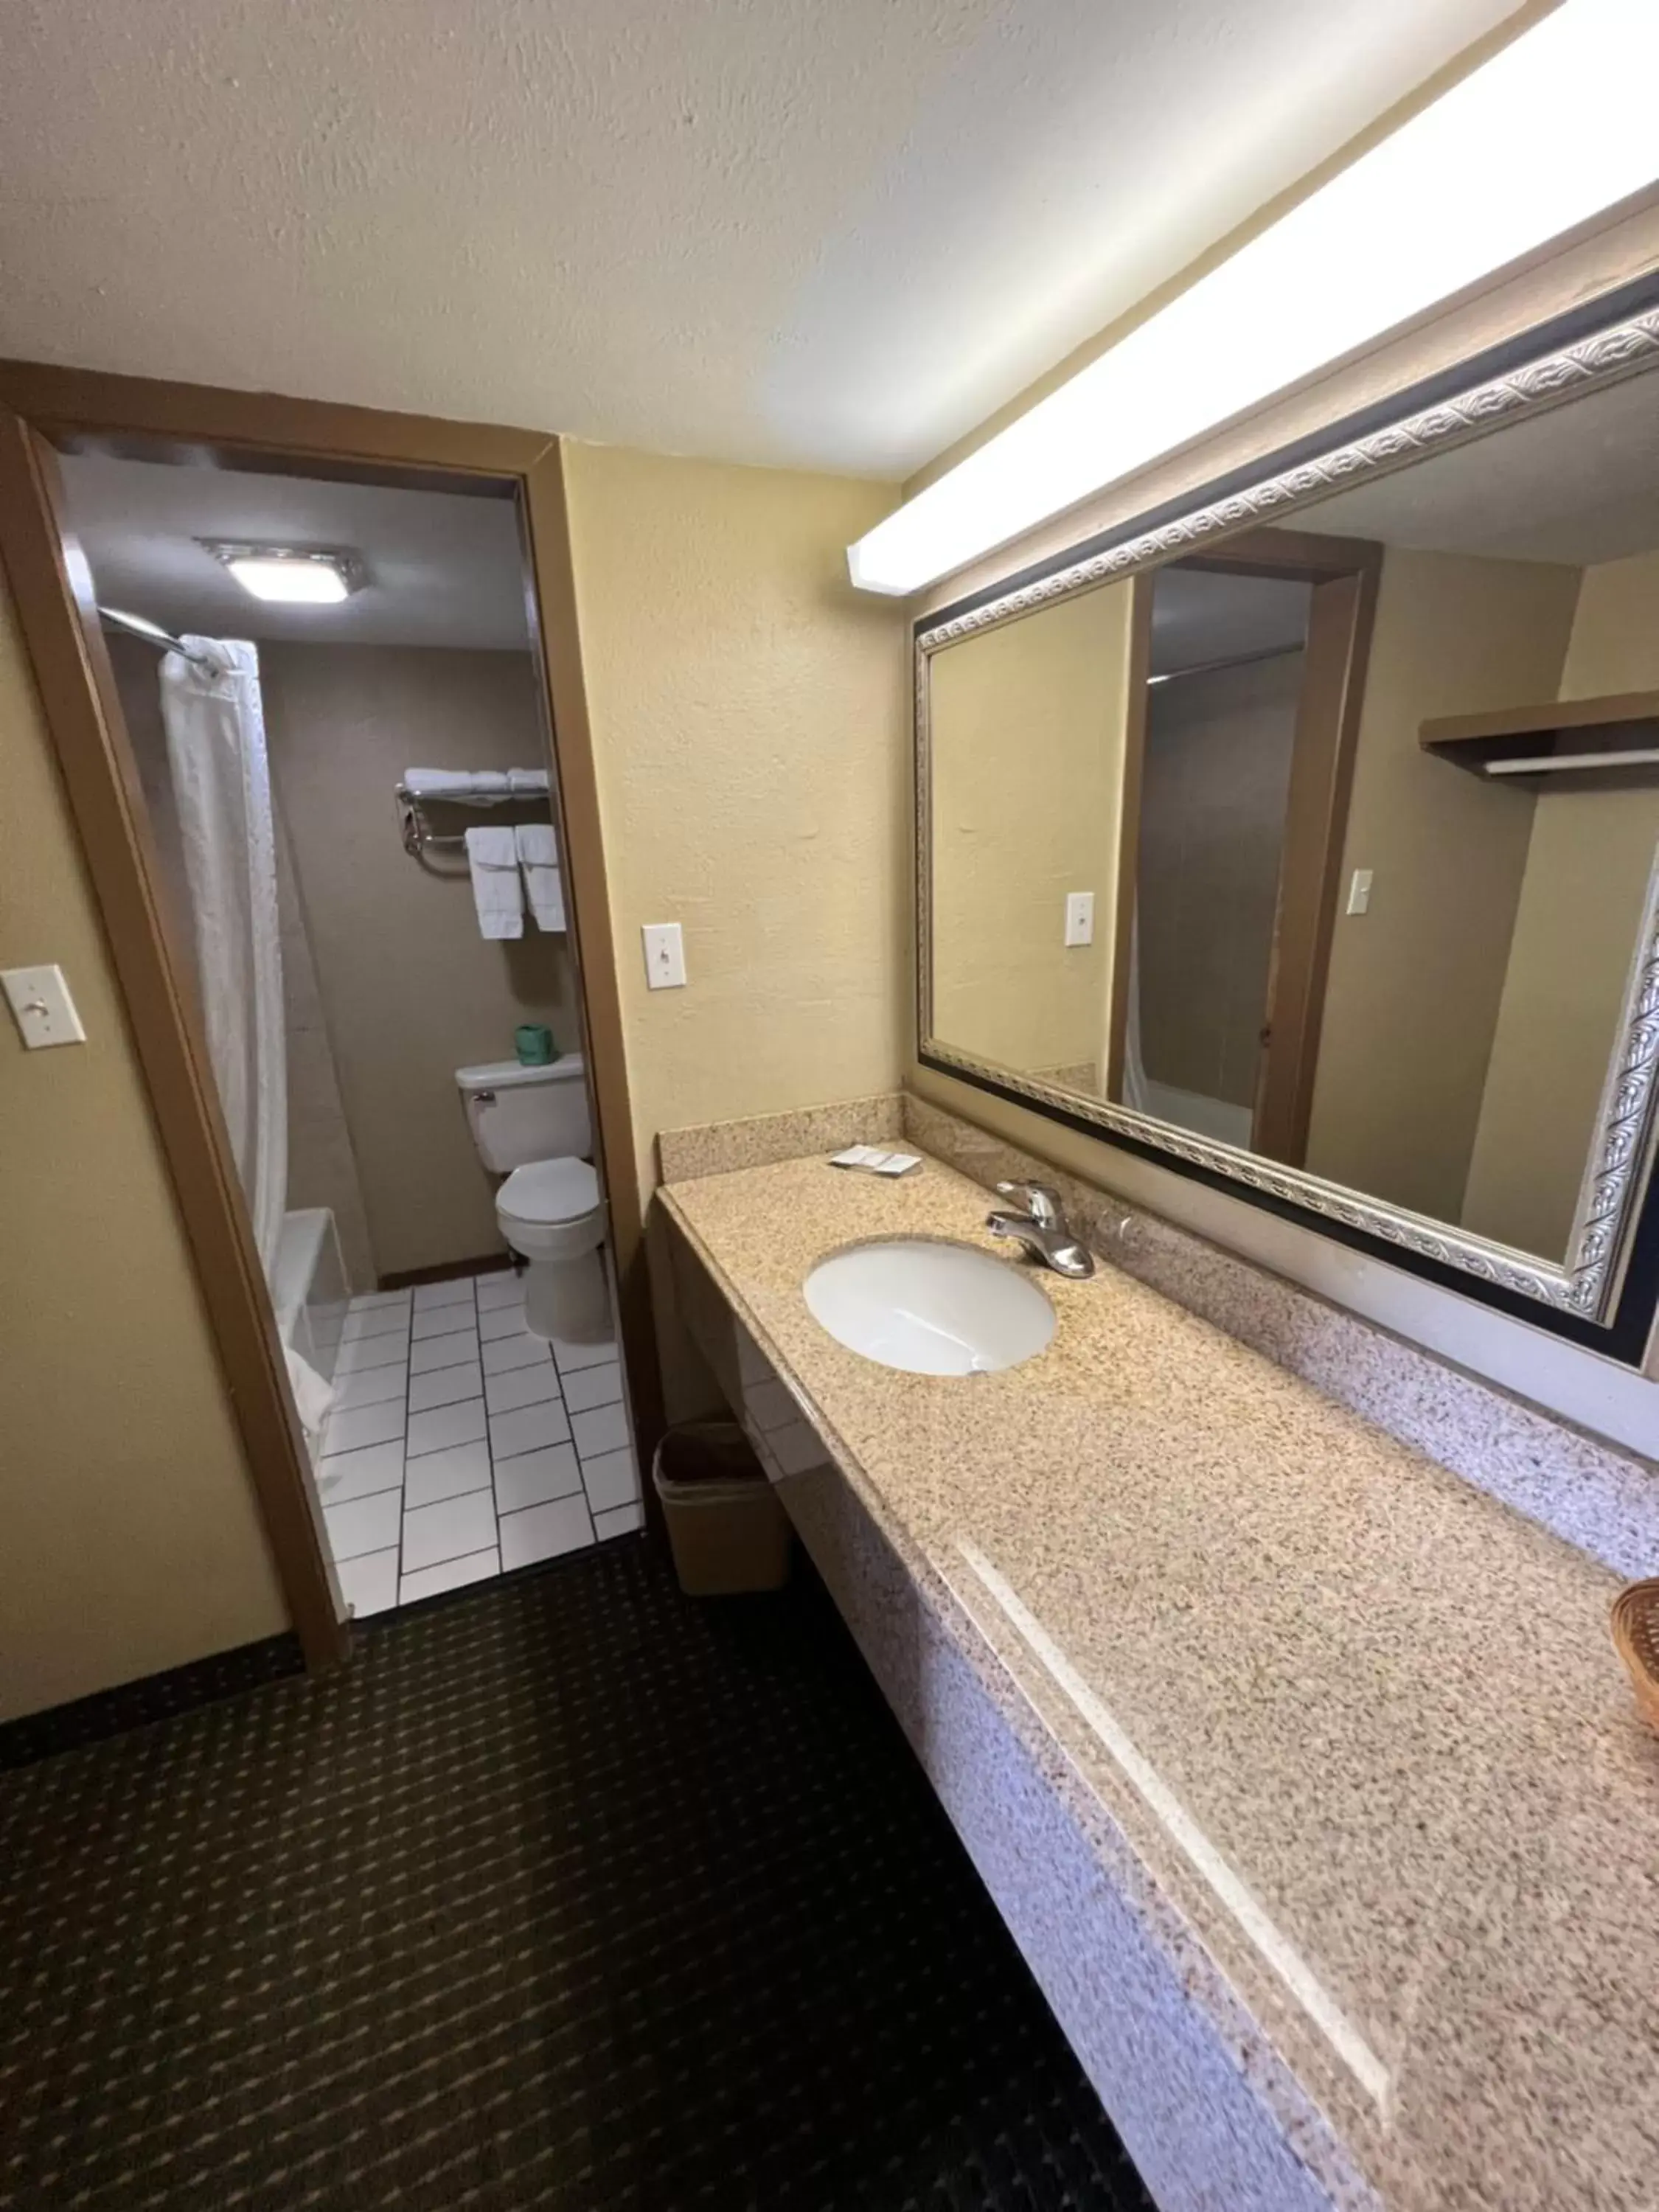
x,y
1042,1200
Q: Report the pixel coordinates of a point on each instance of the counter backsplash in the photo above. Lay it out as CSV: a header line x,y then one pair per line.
x,y
722,1147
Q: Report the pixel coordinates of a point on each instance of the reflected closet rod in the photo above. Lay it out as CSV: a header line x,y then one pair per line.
x,y
1233,661
1564,764
153,634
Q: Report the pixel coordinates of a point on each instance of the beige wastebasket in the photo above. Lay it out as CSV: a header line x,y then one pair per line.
x,y
725,1528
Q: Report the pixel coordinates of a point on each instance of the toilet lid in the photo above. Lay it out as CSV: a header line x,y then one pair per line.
x,y
549,1190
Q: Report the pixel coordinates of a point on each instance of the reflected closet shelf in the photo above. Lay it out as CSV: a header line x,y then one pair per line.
x,y
1557,736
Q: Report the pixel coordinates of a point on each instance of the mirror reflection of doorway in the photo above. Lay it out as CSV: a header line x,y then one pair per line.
x,y
1233,832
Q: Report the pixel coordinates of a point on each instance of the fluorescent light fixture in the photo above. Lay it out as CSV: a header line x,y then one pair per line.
x,y
310,576
296,579
1551,131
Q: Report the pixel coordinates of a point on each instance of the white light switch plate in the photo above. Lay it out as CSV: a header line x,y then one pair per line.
x,y
41,1000
1359,891
664,955
1079,917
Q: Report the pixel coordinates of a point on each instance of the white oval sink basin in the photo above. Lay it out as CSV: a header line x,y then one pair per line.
x,y
930,1309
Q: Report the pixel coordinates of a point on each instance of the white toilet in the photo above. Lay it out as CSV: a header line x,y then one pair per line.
x,y
530,1124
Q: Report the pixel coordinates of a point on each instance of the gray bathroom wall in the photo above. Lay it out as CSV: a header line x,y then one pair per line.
x,y
1214,783
410,990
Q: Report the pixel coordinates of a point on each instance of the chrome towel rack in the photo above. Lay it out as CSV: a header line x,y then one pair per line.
x,y
419,835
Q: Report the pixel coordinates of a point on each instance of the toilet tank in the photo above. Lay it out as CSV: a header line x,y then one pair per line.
x,y
519,1114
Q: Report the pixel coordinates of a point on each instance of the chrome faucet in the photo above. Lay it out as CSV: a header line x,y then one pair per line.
x,y
1042,1229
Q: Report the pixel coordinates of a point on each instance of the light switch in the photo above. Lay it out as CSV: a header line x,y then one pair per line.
x,y
40,997
1079,917
664,955
1359,890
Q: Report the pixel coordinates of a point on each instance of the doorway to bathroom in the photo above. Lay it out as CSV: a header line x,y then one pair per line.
x,y
1239,763
375,896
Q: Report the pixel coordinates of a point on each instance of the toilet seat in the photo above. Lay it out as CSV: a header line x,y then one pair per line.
x,y
551,1209
550,1191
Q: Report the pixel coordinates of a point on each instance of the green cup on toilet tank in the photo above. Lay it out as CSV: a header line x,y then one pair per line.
x,y
535,1043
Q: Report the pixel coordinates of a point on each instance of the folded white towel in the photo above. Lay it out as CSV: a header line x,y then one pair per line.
x,y
459,782
476,782
538,857
497,893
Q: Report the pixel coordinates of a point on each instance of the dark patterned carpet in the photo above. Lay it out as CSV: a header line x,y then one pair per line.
x,y
570,1892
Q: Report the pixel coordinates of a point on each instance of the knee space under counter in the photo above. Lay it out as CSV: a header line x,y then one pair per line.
x,y
1198,2131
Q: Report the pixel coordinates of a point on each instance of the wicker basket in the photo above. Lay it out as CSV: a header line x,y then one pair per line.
x,y
1636,1631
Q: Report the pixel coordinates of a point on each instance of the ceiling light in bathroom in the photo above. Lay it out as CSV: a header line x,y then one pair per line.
x,y
1553,129
292,575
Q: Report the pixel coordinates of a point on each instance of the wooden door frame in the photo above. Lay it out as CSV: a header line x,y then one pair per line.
x,y
1340,615
44,411
1128,832
1344,573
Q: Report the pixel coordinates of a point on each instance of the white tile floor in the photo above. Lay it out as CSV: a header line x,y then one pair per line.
x,y
460,1446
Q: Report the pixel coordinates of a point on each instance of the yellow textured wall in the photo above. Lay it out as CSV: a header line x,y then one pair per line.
x,y
749,725
1614,646
1027,725
129,1536
1588,861
1412,999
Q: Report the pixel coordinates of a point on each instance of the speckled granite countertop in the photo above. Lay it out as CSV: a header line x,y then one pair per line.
x,y
1361,1725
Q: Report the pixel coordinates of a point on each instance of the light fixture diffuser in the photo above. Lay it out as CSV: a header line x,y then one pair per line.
x,y
292,575
1550,132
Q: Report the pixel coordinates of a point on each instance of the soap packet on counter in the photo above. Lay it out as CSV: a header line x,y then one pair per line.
x,y
873,1161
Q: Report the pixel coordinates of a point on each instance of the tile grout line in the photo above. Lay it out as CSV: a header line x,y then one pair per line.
x,y
383,1335
489,1441
403,1460
489,1446
403,1463
471,1304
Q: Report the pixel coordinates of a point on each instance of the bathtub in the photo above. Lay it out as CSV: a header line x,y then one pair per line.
x,y
308,1287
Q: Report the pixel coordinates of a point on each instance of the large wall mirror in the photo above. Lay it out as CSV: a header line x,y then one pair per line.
x,y
1307,838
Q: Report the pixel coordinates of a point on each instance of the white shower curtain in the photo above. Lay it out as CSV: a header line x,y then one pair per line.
x,y
1135,1068
216,731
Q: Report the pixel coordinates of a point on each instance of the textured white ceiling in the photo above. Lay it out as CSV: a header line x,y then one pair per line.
x,y
770,230
439,568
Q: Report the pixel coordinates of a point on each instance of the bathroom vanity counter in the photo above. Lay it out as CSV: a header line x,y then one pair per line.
x,y
1305,1774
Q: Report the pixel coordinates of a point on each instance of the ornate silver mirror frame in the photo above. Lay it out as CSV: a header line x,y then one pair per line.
x,y
1586,1289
